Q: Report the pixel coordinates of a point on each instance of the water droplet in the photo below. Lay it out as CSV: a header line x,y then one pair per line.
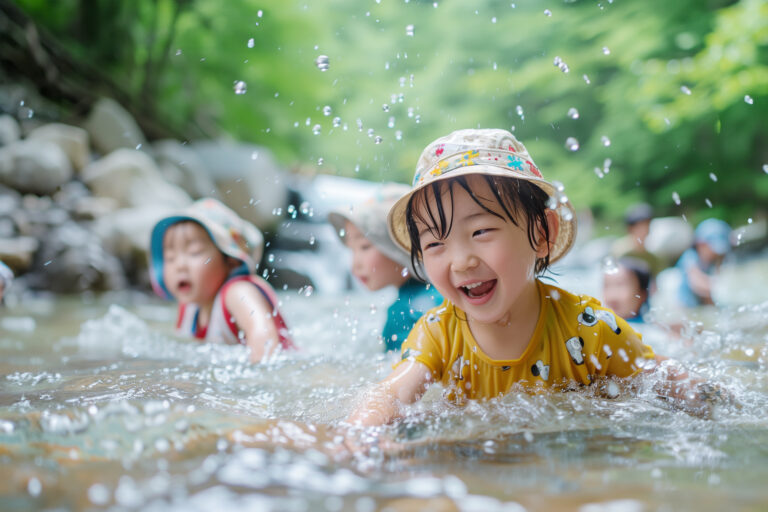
x,y
373,309
565,213
605,141
316,129
519,110
713,177
378,139
251,43
320,161
391,122
404,272
409,30
98,494
342,232
371,132
385,107
178,52
748,99
359,124
336,122
260,13
410,112
493,20
398,135
708,202
685,90
322,63
560,64
573,113
34,487
676,198
571,144
586,79
599,173
327,110
765,168
307,290
240,87
547,12
606,50
254,155
609,265
357,169
311,239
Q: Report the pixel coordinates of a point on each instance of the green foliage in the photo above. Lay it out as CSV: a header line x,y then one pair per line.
x,y
672,96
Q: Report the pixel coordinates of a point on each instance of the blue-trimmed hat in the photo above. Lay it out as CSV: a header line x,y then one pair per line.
x,y
715,233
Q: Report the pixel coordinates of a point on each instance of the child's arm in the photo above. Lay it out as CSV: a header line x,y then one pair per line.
x,y
691,393
253,314
405,385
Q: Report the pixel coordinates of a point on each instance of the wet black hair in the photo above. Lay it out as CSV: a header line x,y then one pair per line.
x,y
519,199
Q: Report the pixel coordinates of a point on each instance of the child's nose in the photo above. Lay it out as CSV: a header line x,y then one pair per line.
x,y
463,259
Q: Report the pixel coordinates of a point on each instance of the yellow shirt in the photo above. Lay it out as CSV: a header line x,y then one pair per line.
x,y
575,340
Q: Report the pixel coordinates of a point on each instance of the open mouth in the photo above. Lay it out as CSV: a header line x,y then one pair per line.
x,y
184,286
478,289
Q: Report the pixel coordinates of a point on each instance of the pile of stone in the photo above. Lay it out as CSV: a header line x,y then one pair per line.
x,y
77,203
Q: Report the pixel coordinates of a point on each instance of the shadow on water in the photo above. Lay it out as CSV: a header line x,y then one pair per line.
x,y
104,408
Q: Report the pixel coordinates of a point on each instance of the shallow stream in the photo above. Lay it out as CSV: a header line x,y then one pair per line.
x,y
102,407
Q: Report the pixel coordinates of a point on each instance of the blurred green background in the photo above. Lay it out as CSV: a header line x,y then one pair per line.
x,y
666,100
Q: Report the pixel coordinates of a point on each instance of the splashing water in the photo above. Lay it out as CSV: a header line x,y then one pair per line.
x,y
748,100
676,198
685,90
240,87
571,144
605,141
322,62
409,30
561,65
327,110
573,113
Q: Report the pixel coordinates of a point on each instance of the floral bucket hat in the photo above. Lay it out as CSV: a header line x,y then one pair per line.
x,y
370,217
234,236
492,152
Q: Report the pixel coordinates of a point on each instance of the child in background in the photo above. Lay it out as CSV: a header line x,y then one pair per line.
x,y
626,289
204,258
377,262
699,263
6,278
484,223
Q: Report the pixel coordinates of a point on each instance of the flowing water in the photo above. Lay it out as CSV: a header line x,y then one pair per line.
x,y
102,407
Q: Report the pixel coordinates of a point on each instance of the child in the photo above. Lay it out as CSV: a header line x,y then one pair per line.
x,y
377,262
480,220
204,258
626,289
699,263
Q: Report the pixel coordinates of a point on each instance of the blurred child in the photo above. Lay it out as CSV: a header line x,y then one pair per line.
x,y
6,278
698,264
377,262
626,289
484,223
637,220
204,258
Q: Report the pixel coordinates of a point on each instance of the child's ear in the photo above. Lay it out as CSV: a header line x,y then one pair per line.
x,y
544,245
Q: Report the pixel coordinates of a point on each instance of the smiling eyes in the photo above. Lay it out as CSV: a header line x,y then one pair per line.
x,y
478,233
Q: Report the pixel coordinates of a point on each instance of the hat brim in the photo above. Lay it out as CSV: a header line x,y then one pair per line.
x,y
566,233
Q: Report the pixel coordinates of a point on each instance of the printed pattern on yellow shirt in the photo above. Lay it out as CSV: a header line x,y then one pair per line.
x,y
576,340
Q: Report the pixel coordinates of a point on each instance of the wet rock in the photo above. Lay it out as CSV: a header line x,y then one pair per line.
x,y
72,260
34,166
125,233
111,127
18,252
71,139
132,178
180,165
248,179
10,131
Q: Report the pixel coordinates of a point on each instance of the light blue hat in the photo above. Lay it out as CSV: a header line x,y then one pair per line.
x,y
715,233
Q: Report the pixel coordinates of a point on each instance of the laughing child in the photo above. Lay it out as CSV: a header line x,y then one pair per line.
x,y
378,262
484,224
204,258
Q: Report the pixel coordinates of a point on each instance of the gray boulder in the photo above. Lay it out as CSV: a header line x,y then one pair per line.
x,y
111,127
10,131
34,166
71,139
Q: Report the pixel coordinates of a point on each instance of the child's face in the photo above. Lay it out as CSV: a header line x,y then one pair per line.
x,y
622,292
369,265
485,265
193,267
